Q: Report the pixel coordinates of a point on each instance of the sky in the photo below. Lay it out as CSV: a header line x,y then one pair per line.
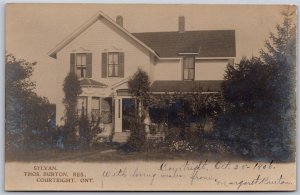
x,y
32,30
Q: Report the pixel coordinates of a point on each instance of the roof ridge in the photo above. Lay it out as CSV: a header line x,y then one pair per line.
x,y
183,32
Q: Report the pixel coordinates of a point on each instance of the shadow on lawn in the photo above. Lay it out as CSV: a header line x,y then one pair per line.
x,y
114,152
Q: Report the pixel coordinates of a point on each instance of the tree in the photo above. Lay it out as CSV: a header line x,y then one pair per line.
x,y
280,55
17,85
260,97
27,113
72,90
139,86
245,88
247,123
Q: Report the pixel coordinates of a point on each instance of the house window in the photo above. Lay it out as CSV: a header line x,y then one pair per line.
x,y
106,110
113,64
82,106
81,64
95,108
189,68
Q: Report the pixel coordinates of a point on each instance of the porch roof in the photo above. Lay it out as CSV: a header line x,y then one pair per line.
x,y
91,82
186,86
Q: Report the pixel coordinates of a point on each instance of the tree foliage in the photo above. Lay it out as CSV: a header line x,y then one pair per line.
x,y
27,113
247,95
280,55
186,115
260,97
88,130
139,86
137,137
72,89
246,86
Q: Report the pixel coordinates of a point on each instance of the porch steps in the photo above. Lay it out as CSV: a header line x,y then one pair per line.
x,y
121,137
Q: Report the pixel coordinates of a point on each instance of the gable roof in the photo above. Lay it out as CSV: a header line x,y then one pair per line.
x,y
208,43
186,86
86,25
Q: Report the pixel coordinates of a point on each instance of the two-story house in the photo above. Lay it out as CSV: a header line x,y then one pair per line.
x,y
104,55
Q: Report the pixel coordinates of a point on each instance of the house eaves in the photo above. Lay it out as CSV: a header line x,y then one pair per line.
x,y
52,53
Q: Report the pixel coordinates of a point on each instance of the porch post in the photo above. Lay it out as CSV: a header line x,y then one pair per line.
x,y
147,121
118,114
89,106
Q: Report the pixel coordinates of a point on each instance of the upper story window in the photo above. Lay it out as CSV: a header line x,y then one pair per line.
x,y
113,64
81,65
189,68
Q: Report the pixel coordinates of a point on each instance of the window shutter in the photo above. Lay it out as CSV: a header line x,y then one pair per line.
x,y
104,65
72,63
89,65
121,64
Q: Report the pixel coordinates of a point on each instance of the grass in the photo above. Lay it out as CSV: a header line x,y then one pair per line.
x,y
111,153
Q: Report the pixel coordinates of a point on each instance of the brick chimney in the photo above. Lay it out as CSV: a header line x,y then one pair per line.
x,y
119,20
181,24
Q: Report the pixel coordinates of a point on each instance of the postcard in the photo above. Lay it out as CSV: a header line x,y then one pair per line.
x,y
150,97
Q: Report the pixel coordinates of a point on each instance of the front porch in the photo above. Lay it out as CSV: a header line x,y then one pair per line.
x,y
116,108
110,108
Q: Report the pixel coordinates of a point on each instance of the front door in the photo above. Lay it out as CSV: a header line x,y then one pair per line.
x,y
128,113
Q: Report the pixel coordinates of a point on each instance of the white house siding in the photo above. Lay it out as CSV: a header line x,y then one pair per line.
x,y
205,69
168,70
210,69
101,37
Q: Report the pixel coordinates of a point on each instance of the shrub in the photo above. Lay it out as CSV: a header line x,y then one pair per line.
x,y
181,146
88,129
173,134
137,137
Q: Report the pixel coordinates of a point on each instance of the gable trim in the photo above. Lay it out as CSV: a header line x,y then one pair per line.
x,y
52,53
115,85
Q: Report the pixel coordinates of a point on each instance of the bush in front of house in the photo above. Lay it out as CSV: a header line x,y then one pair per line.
x,y
176,141
88,131
137,136
181,146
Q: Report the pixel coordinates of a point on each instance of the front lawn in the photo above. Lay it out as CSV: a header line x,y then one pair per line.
x,y
109,152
